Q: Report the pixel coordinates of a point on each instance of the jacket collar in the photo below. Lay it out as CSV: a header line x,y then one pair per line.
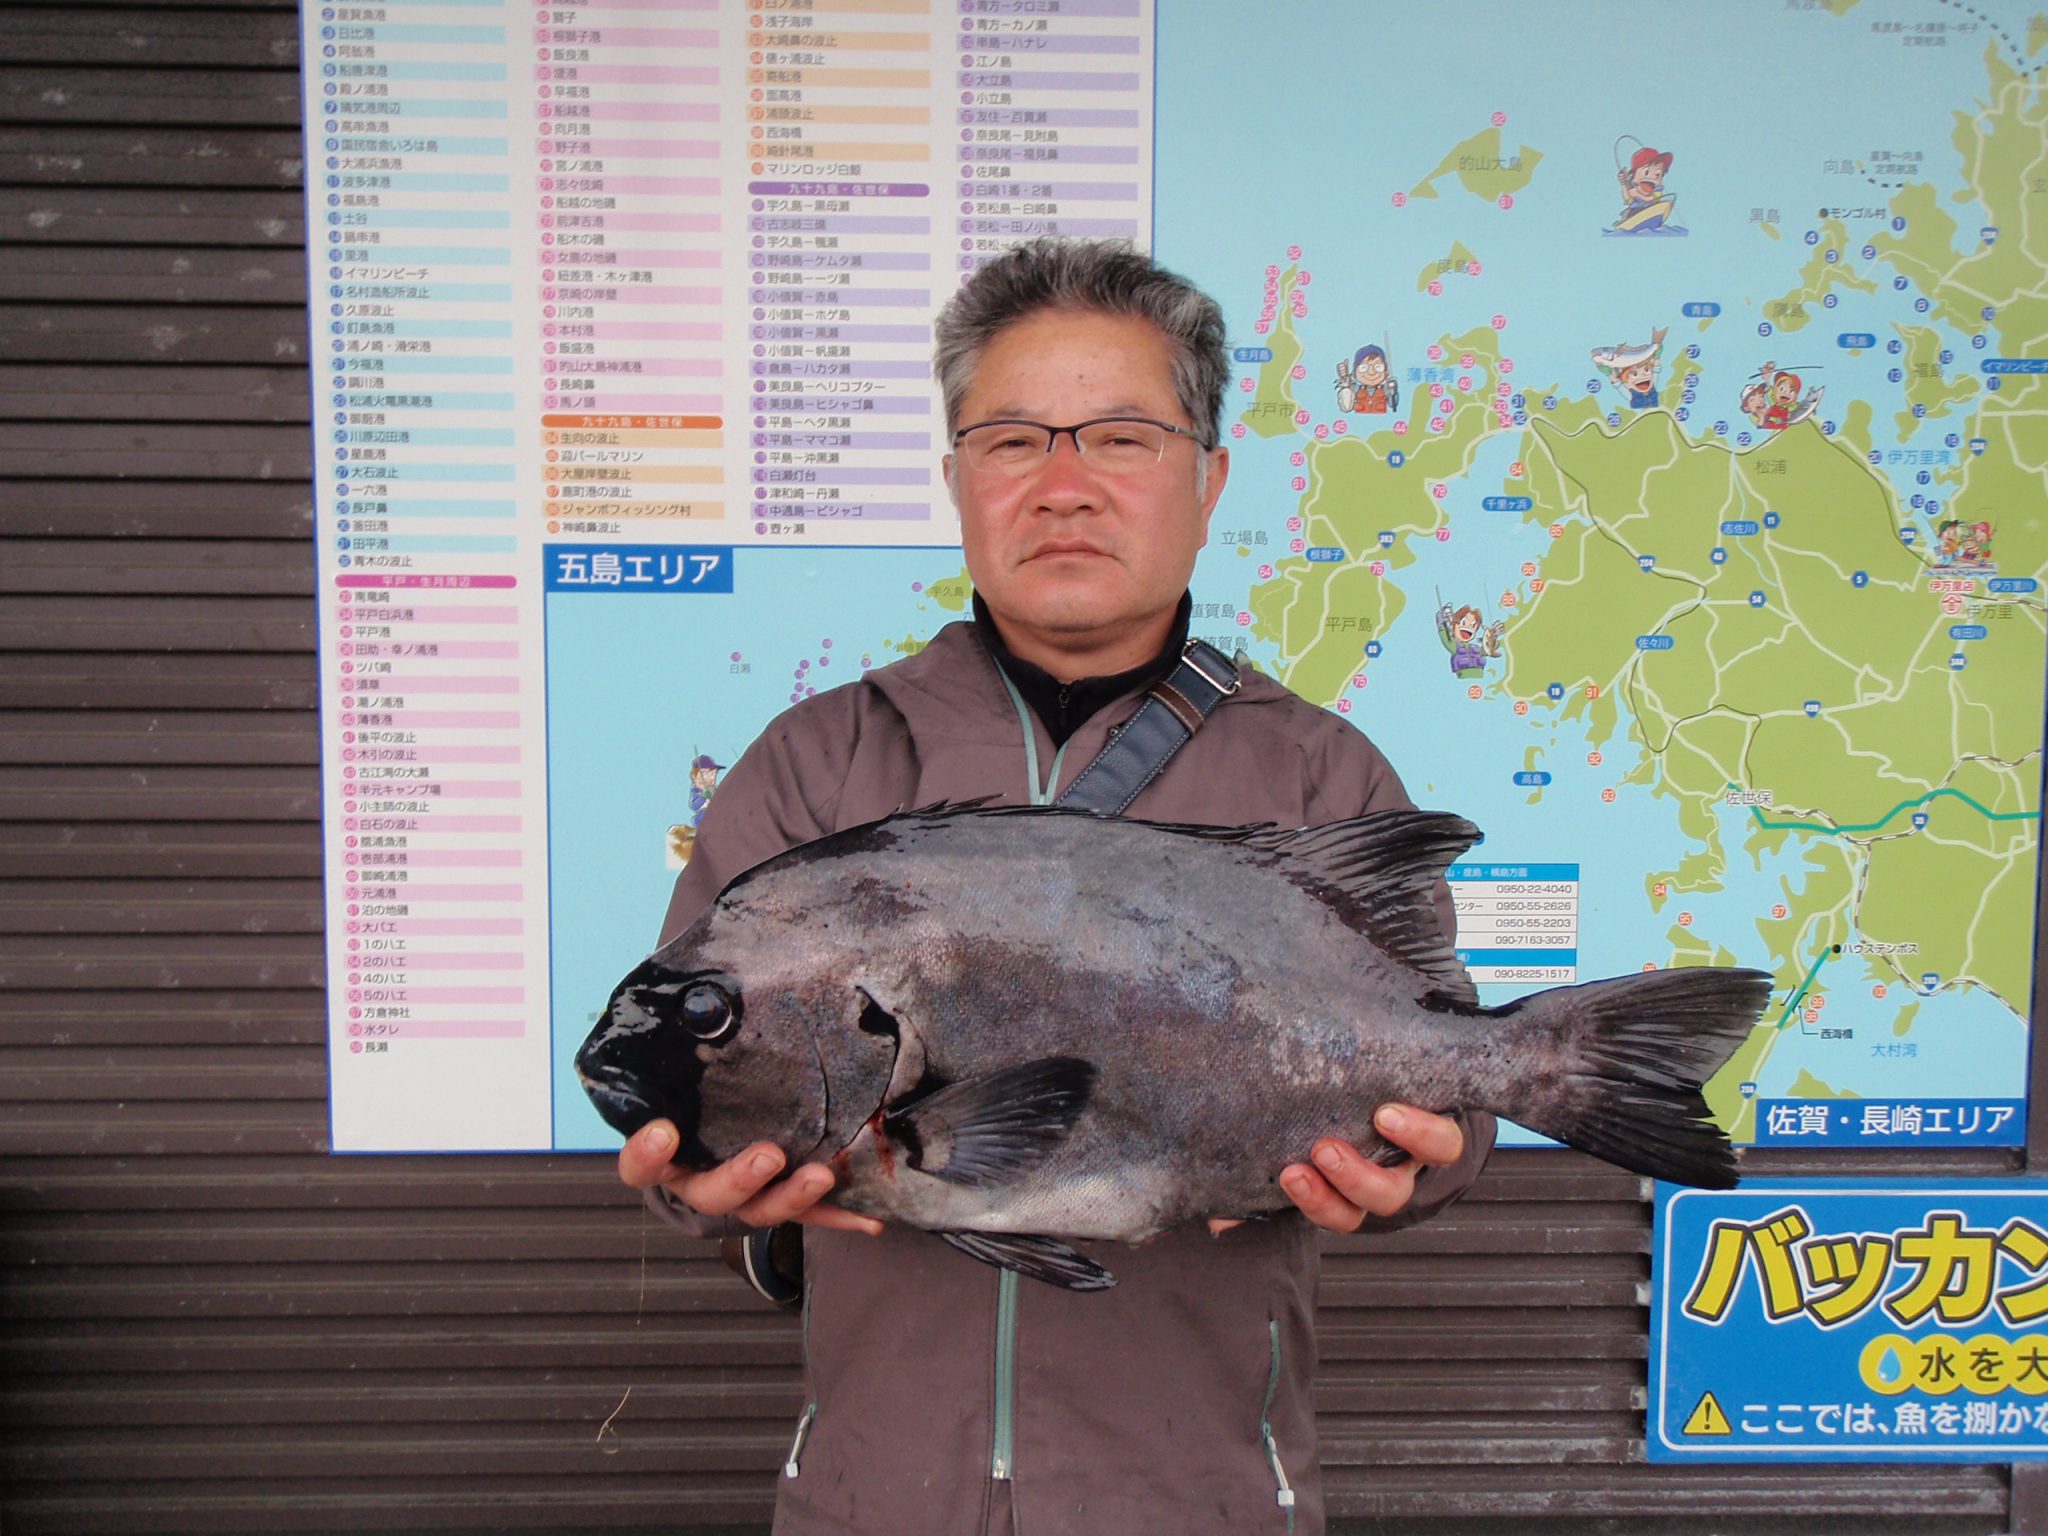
x,y
1062,708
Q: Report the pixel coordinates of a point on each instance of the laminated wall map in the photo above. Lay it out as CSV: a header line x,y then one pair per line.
x,y
1638,429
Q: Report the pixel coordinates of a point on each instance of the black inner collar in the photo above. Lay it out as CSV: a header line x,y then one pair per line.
x,y
1064,707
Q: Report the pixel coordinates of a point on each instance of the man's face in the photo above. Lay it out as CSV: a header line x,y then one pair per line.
x,y
1066,556
1648,180
1639,376
1468,626
1373,371
1785,390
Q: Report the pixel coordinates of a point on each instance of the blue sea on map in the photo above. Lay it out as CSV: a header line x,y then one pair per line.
x,y
1296,127
639,686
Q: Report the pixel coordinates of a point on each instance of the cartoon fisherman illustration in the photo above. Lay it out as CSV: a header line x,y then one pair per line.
x,y
1470,640
682,837
1366,385
704,772
1634,368
1962,543
1781,403
1646,207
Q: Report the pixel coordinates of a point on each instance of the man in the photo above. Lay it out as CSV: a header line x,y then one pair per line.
x,y
1083,390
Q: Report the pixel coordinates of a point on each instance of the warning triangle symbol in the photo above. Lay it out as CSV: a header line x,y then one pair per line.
x,y
1707,1418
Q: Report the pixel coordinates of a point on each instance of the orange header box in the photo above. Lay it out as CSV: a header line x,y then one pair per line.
x,y
622,422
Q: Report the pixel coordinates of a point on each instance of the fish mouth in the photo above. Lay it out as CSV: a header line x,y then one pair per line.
x,y
619,1103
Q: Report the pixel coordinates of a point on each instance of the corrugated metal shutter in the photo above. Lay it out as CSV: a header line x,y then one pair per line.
x,y
206,1323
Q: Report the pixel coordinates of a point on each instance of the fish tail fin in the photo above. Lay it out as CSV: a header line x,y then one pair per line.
x,y
1625,1061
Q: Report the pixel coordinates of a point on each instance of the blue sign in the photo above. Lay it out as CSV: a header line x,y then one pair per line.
x,y
1850,1320
672,568
1324,552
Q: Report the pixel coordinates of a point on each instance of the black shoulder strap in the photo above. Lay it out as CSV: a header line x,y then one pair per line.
x,y
1141,746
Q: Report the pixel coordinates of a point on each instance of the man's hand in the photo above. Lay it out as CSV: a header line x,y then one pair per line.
x,y
1342,1188
739,1187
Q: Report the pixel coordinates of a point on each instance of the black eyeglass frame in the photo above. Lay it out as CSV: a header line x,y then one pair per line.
x,y
1054,433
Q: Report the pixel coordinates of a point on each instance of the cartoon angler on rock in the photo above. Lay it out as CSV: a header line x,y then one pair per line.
x,y
682,837
1771,398
1634,368
1365,385
1646,207
1470,640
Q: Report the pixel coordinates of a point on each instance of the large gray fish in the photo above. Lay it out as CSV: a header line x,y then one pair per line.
x,y
1014,1025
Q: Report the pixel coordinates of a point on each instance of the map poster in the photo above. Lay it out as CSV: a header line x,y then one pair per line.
x,y
1645,448
1826,1320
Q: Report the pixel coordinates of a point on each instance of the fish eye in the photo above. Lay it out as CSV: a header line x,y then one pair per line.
x,y
709,1012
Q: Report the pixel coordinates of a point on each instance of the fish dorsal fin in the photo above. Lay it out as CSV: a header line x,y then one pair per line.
x,y
1378,874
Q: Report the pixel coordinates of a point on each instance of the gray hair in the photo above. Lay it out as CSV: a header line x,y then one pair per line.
x,y
1104,275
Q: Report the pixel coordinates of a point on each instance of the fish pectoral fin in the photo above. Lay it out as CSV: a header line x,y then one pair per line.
x,y
1036,1258
987,1130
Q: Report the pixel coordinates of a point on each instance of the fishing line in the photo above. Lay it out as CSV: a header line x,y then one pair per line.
x,y
640,1311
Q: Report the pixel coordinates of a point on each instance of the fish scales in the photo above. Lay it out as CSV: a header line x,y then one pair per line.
x,y
1045,1022
1103,933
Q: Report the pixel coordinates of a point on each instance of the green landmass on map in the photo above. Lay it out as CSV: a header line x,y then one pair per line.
x,y
1926,385
1452,264
2037,33
1826,269
1806,1086
1321,614
1482,167
2000,150
1778,625
952,594
1271,409
1839,697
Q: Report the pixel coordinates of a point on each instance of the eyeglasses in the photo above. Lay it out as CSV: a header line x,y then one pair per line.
x,y
1116,445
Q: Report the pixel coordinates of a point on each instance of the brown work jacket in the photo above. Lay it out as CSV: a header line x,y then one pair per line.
x,y
943,1397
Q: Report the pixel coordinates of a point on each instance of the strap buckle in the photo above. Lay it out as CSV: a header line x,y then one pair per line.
x,y
1189,656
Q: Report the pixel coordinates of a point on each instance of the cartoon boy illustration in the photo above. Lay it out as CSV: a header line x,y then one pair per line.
x,y
704,772
1469,639
1634,368
1645,207
1963,543
1784,400
1366,385
1776,391
682,837
1978,545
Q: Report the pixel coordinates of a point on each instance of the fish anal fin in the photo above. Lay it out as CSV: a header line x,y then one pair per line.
x,y
992,1128
1035,1258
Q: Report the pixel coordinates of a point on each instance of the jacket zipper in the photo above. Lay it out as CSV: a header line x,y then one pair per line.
x,y
1284,1494
1006,1374
803,1425
1001,1452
